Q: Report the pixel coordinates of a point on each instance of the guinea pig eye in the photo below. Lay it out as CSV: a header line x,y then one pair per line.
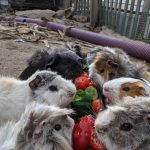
x,y
115,65
53,88
57,127
141,88
111,75
126,127
126,89
101,71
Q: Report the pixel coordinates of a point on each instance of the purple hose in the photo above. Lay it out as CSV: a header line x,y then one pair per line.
x,y
134,48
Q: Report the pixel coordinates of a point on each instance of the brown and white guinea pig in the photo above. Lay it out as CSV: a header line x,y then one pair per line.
x,y
41,127
42,86
125,127
107,63
117,89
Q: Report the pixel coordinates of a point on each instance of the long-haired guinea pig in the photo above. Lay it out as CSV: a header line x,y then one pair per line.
x,y
108,63
117,89
61,60
41,127
42,86
126,127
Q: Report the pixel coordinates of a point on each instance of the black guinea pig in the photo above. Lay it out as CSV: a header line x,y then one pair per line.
x,y
61,60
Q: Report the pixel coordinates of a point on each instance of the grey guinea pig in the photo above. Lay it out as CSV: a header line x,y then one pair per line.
x,y
107,63
41,127
61,60
126,127
116,90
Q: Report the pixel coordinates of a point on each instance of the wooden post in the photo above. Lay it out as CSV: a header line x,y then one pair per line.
x,y
66,4
94,10
140,34
146,6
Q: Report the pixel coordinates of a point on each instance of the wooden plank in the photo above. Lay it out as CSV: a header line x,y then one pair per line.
x,y
110,13
146,6
88,9
115,15
94,13
123,24
135,24
128,29
107,12
66,3
118,16
143,20
100,13
84,7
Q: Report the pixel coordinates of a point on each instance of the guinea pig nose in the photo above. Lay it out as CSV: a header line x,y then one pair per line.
x,y
97,126
106,89
71,94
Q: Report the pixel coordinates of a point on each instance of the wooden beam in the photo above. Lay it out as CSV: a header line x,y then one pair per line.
x,y
66,4
94,8
146,6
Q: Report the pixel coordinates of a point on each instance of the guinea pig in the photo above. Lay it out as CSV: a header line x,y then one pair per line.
x,y
108,63
78,50
41,127
61,60
117,89
125,127
42,86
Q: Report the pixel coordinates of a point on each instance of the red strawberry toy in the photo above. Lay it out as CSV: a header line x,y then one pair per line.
x,y
84,136
95,143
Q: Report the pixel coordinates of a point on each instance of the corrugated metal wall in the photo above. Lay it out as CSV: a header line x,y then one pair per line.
x,y
130,18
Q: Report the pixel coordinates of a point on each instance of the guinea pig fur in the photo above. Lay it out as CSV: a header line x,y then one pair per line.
x,y
78,50
41,127
108,63
42,86
61,60
117,89
125,127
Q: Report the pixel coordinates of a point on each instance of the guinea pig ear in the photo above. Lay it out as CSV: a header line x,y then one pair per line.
x,y
142,91
50,61
35,82
147,118
63,112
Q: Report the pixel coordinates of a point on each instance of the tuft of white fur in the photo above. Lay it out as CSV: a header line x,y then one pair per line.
x,y
16,94
111,50
105,117
138,100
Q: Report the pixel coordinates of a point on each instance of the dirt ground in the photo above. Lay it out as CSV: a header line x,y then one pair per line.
x,y
16,46
13,56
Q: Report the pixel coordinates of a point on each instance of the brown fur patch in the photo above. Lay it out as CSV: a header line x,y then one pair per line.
x,y
134,89
34,122
102,66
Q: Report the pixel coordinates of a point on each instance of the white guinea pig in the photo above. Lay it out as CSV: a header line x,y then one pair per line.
x,y
41,127
125,127
117,89
42,86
